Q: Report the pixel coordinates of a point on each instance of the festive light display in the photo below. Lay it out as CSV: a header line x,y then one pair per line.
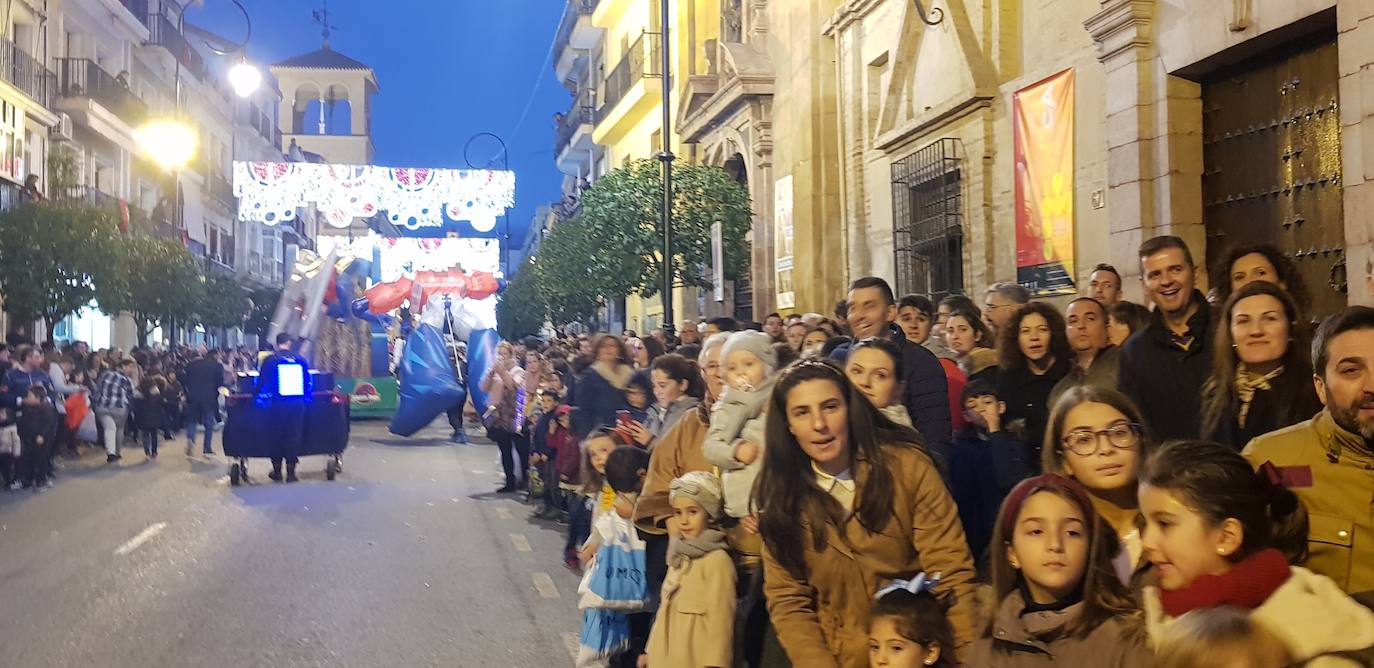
x,y
412,197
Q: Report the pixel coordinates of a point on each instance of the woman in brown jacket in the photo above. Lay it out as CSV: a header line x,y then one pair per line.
x,y
849,501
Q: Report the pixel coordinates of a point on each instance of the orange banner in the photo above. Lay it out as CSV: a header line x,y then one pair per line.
x,y
1043,139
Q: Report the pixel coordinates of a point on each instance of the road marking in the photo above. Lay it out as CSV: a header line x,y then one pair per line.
x,y
521,543
138,541
545,586
573,643
503,514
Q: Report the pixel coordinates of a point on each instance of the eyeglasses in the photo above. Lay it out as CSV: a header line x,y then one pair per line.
x,y
1085,442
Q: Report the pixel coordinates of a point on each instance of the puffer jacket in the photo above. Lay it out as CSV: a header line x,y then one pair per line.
x,y
822,619
1039,638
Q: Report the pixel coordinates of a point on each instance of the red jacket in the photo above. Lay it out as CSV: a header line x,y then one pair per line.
x,y
567,457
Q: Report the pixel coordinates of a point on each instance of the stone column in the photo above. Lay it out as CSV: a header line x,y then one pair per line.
x,y
1154,139
1355,23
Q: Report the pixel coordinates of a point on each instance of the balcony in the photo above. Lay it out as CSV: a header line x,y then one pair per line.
x,y
584,34
84,196
574,135
79,78
26,73
626,82
163,32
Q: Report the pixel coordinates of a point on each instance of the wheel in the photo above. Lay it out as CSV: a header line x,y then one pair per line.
x,y
330,468
235,474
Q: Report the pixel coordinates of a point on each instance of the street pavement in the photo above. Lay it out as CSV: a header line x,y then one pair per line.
x,y
408,558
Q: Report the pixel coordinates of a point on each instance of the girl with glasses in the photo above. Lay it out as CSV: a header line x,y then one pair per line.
x,y
1097,437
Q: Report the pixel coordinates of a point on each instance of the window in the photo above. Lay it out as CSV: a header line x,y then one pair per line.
x,y
928,235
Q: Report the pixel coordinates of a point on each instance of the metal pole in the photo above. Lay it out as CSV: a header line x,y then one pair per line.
x,y
666,156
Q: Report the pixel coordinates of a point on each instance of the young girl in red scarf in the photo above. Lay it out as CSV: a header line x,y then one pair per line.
x,y
1220,534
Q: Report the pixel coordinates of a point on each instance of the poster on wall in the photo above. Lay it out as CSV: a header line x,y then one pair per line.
x,y
782,242
1043,140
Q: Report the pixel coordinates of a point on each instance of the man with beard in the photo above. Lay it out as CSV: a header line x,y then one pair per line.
x,y
1327,461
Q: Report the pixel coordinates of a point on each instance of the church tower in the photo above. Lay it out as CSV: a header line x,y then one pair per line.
x,y
327,106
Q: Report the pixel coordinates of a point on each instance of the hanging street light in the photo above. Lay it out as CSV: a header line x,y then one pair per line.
x,y
244,78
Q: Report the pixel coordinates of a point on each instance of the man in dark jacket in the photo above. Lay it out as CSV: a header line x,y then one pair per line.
x,y
201,382
1164,365
289,412
873,312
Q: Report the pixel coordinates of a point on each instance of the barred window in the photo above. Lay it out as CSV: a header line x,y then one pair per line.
x,y
928,234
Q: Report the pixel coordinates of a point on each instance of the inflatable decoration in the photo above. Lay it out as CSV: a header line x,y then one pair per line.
x,y
429,385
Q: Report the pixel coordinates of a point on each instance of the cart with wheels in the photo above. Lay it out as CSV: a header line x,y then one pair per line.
x,y
253,429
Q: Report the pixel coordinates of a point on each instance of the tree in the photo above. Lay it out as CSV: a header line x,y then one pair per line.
x,y
622,232
565,277
158,281
223,303
520,309
54,260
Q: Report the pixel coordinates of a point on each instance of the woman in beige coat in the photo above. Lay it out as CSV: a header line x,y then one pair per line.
x,y
849,501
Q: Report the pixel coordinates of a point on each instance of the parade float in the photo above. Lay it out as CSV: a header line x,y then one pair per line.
x,y
423,273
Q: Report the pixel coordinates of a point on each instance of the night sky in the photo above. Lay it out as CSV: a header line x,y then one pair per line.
x,y
448,70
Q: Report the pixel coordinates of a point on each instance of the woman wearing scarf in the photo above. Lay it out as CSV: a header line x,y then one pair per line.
x,y
1261,378
601,391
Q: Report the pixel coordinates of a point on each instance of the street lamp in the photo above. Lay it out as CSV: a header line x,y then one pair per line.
x,y
244,78
504,240
171,142
666,156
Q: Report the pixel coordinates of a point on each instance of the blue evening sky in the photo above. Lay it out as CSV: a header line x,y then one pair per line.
x,y
448,70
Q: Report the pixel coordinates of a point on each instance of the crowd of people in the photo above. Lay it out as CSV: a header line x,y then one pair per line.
x,y
941,482
55,402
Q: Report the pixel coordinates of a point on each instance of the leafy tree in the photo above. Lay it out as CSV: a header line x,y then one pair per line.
x,y
622,233
564,276
520,309
54,260
224,302
158,281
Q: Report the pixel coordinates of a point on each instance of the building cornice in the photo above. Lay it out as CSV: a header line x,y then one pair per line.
x,y
932,120
848,14
1121,25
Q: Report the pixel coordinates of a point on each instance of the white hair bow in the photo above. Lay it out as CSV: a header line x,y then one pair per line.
x,y
916,585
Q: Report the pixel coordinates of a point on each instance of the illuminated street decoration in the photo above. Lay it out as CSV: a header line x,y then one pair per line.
x,y
412,197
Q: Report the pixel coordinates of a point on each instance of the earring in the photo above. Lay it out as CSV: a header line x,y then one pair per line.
x,y
1221,551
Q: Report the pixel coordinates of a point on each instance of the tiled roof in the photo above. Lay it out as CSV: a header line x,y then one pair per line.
x,y
323,59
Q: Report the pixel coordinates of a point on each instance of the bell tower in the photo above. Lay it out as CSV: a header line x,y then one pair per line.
x,y
327,105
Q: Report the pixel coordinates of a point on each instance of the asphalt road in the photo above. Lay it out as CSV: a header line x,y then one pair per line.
x,y
407,559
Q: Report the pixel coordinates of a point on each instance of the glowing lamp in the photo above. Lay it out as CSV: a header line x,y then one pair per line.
x,y
170,143
244,78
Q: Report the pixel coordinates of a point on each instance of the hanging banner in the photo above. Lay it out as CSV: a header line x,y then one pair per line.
x,y
782,242
1043,139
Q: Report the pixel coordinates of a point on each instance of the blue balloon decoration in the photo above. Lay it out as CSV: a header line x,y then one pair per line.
x,y
481,355
429,385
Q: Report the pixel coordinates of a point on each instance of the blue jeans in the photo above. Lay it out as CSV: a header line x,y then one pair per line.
x,y
208,422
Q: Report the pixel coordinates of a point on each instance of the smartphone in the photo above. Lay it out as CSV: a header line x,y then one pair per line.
x,y
623,418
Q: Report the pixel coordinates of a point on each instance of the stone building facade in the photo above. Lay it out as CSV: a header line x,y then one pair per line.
x,y
1221,121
